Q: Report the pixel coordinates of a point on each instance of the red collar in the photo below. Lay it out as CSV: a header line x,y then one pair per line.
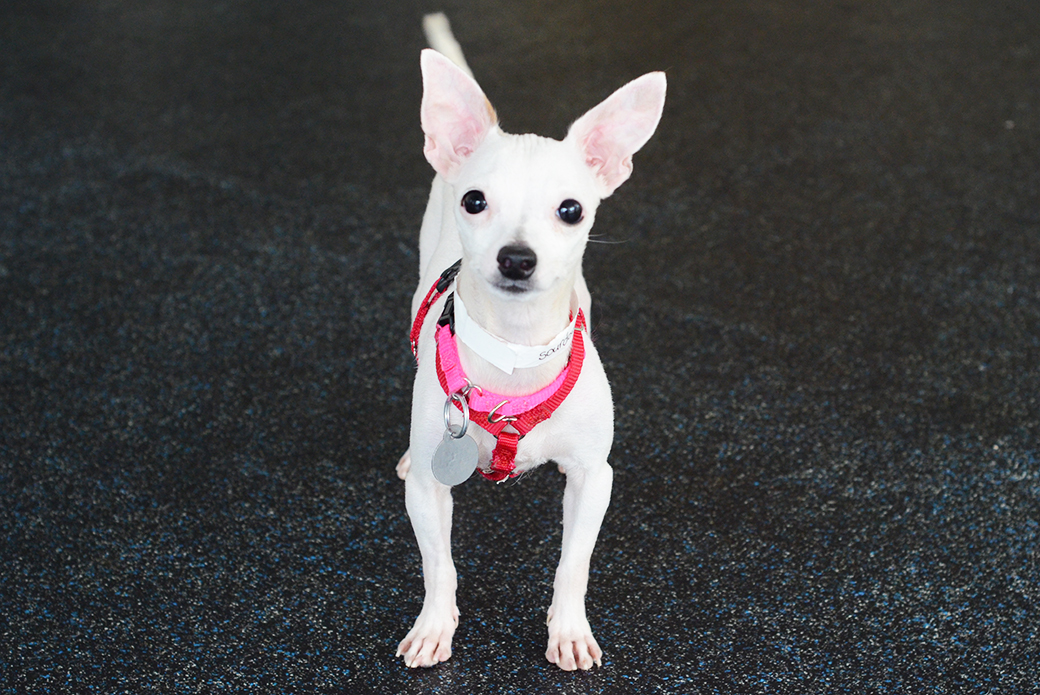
x,y
517,413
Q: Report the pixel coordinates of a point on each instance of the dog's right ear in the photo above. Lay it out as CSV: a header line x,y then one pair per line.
x,y
455,114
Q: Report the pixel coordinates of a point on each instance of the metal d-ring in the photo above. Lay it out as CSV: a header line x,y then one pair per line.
x,y
461,399
493,419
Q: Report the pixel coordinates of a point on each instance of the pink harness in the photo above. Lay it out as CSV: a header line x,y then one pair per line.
x,y
495,412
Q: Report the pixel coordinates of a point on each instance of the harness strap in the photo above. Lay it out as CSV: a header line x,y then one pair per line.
x,y
440,287
498,418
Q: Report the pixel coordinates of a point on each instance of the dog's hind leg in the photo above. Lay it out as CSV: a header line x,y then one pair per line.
x,y
404,464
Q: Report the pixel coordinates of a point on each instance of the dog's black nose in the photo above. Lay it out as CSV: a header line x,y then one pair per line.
x,y
516,262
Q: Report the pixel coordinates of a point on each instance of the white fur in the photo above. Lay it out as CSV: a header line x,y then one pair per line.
x,y
524,179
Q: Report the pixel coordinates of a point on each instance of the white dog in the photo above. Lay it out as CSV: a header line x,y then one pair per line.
x,y
500,337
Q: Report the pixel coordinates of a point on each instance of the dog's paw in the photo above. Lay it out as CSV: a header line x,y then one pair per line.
x,y
571,644
404,465
429,641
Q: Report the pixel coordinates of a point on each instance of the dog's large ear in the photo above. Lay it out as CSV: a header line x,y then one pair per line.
x,y
613,131
455,114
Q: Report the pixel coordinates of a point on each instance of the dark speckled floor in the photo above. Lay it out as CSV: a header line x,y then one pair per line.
x,y
819,306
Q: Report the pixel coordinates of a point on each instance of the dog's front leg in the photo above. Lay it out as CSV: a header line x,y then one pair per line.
x,y
429,507
585,500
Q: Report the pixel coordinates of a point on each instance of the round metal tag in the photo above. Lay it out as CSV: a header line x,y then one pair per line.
x,y
455,459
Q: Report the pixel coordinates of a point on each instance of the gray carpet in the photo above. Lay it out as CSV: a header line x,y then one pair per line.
x,y
817,301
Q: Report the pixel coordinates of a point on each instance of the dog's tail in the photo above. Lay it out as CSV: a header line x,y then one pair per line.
x,y
438,34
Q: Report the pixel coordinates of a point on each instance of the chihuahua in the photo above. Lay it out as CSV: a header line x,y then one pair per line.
x,y
507,378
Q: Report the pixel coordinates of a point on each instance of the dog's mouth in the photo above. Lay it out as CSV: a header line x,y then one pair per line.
x,y
514,287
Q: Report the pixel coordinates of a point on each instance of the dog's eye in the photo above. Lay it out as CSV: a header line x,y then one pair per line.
x,y
570,211
474,202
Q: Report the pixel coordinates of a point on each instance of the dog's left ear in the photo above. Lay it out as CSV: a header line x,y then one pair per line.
x,y
613,131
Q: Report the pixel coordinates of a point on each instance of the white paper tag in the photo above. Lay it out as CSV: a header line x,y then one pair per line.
x,y
507,356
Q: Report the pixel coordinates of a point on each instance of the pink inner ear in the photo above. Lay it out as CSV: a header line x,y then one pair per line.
x,y
467,136
592,146
604,156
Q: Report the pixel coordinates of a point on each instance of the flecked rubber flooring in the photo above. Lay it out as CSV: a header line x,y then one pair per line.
x,y
818,300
